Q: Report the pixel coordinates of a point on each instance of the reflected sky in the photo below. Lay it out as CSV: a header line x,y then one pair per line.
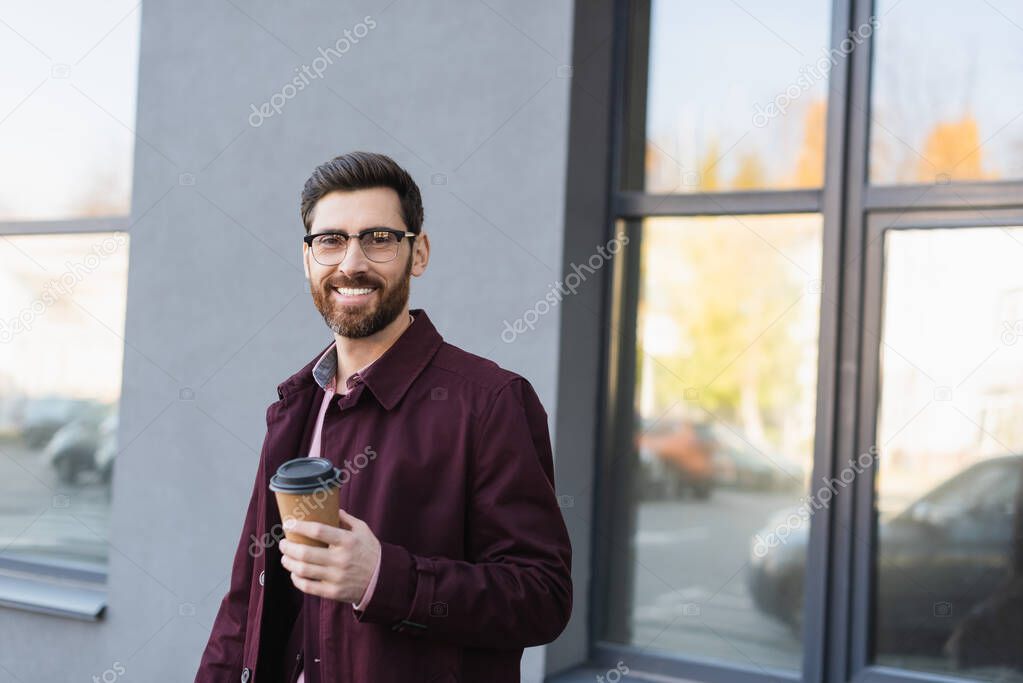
x,y
952,358
67,108
62,315
948,91
711,65
947,99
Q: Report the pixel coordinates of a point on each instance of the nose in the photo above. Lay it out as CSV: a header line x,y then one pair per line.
x,y
354,261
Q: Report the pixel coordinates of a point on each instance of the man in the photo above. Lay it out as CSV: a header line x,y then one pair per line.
x,y
451,554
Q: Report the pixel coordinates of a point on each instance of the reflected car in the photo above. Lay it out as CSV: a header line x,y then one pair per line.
x,y
937,559
42,417
107,449
676,461
739,464
72,449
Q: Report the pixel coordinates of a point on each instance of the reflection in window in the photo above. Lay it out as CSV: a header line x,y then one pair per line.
x,y
949,569
68,109
61,323
725,404
947,92
737,95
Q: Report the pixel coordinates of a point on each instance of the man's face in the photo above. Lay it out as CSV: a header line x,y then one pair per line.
x,y
360,315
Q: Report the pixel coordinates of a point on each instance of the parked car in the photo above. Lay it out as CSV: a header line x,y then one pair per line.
x,y
72,449
677,460
740,464
107,449
42,417
943,555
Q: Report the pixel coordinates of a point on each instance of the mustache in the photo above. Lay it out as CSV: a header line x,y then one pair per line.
x,y
350,284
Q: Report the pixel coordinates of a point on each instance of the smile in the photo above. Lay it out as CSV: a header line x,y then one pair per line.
x,y
353,294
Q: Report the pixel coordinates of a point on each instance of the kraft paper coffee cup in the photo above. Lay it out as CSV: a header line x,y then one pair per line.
x,y
307,490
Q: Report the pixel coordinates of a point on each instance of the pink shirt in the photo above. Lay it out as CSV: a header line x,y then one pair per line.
x,y
314,448
314,452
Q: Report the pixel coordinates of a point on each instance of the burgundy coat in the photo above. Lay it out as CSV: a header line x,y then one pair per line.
x,y
475,561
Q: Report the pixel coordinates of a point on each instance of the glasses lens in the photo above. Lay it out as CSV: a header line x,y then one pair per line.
x,y
329,249
379,245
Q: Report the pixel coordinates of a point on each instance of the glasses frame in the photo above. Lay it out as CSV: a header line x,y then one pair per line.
x,y
401,234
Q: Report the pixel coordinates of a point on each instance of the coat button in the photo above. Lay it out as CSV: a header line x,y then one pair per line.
x,y
262,577
246,675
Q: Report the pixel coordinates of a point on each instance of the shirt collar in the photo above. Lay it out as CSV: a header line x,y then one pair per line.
x,y
325,370
390,375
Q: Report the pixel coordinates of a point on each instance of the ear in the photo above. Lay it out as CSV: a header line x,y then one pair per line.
x,y
305,259
421,255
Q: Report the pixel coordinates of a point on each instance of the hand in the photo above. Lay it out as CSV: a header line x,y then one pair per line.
x,y
340,571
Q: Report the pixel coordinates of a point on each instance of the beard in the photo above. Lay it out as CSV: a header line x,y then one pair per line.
x,y
356,322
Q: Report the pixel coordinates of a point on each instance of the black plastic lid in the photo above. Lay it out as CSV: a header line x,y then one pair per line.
x,y
305,475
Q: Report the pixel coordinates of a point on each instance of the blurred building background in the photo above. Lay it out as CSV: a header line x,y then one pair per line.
x,y
760,260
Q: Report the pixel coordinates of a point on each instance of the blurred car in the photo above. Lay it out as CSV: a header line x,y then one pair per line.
x,y
677,460
72,449
738,464
107,448
943,555
42,417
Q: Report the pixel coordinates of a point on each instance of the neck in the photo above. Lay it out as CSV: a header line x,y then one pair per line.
x,y
353,354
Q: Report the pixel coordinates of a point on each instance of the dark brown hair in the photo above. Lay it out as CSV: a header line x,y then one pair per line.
x,y
362,171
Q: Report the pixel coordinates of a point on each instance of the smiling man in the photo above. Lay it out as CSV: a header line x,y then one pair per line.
x,y
451,554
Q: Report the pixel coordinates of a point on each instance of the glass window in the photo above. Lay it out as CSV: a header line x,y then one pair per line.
x,y
725,404
67,120
67,112
949,564
61,328
712,424
947,92
737,95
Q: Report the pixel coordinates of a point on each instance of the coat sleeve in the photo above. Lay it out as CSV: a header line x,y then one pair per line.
x,y
222,661
516,590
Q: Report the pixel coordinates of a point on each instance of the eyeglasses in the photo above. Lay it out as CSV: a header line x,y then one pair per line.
x,y
380,245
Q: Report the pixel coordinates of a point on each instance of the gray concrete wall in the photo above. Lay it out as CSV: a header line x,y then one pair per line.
x,y
471,97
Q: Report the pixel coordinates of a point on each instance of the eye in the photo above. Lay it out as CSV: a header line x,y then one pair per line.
x,y
329,241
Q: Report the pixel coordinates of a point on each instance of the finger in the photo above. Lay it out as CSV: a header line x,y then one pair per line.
x,y
309,570
321,532
306,553
318,588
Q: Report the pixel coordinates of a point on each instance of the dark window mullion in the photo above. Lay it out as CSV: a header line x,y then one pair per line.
x,y
846,638
981,195
818,632
884,674
641,205
635,57
614,542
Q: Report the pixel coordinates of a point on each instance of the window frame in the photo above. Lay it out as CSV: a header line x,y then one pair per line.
x,y
80,591
878,224
56,588
836,614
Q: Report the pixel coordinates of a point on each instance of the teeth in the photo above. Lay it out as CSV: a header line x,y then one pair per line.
x,y
344,291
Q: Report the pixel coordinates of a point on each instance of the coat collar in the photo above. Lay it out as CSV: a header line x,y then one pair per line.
x,y
390,375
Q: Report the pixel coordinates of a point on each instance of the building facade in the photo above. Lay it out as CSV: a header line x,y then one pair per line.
x,y
760,262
